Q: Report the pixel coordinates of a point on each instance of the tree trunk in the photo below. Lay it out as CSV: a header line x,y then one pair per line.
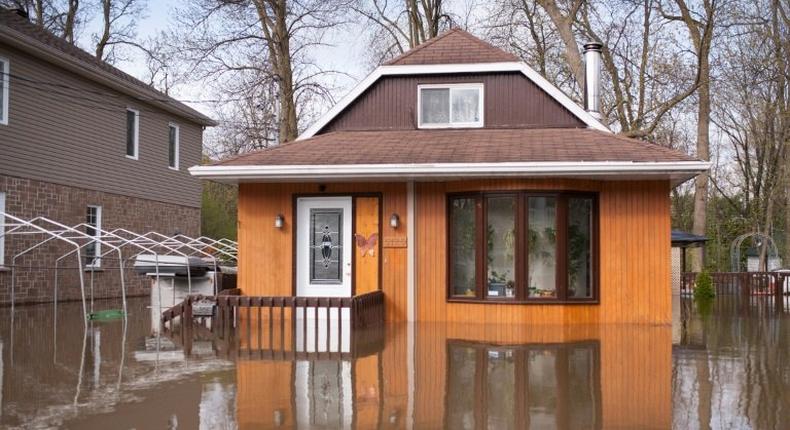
x,y
703,153
278,42
105,36
564,26
71,21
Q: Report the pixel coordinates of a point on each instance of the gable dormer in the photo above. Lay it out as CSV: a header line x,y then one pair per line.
x,y
454,80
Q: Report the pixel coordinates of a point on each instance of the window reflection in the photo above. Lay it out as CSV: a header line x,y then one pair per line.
x,y
580,228
462,247
542,243
501,246
513,387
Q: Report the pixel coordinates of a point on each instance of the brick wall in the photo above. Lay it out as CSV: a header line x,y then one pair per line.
x,y
35,273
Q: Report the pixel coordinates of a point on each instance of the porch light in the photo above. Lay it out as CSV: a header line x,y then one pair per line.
x,y
394,221
279,221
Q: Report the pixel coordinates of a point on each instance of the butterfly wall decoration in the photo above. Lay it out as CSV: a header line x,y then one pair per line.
x,y
367,246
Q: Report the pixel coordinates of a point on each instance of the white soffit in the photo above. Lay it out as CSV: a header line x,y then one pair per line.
x,y
435,69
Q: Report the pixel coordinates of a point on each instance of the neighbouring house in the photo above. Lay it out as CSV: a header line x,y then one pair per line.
x,y
465,187
83,142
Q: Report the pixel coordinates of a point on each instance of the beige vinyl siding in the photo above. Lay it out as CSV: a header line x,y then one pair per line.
x,y
78,138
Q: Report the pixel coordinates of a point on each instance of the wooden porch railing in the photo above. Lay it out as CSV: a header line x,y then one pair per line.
x,y
746,284
283,326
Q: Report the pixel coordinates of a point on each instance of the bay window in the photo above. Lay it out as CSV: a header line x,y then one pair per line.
x,y
522,247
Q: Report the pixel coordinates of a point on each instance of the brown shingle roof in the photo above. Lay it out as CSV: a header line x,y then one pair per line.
x,y
454,46
460,146
15,25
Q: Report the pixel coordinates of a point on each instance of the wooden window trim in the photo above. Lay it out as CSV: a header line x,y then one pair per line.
x,y
522,246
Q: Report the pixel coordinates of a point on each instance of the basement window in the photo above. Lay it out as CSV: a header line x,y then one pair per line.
x,y
450,105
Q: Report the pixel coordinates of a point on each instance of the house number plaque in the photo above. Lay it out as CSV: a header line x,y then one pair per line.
x,y
395,242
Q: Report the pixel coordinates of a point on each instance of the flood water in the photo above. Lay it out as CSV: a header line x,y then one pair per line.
x,y
728,367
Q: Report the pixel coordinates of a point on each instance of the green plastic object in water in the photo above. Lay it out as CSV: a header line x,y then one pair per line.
x,y
109,314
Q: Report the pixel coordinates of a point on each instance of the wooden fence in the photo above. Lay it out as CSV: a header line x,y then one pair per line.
x,y
753,285
281,326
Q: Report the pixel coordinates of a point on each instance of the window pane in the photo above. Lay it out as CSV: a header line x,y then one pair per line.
x,y
501,246
542,244
580,247
466,105
435,105
91,251
3,79
172,147
326,252
462,248
131,118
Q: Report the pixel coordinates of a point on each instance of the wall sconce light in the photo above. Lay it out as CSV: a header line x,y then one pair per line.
x,y
394,221
279,221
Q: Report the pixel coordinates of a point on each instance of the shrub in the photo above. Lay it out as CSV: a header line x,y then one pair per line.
x,y
704,289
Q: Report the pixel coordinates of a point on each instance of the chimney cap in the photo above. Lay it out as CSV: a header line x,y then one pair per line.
x,y
593,46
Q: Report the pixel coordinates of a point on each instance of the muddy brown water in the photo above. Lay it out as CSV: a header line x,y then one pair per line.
x,y
726,368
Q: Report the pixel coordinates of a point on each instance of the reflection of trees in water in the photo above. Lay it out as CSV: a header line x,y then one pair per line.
x,y
729,369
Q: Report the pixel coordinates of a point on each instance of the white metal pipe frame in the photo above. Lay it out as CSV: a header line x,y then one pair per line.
x,y
85,241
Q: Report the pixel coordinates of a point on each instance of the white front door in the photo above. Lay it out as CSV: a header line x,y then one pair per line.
x,y
323,247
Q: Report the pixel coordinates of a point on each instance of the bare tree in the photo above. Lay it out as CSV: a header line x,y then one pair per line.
x,y
401,25
700,26
119,21
260,40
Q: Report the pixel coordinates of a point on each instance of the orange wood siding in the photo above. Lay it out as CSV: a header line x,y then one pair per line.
x,y
366,260
634,246
266,253
634,256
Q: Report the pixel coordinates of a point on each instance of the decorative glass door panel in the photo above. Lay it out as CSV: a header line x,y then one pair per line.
x,y
323,247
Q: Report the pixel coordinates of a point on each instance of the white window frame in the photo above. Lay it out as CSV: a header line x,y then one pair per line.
x,y
96,261
176,158
452,87
2,229
136,134
5,78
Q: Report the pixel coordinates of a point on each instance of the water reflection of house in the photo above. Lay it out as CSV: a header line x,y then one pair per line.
x,y
470,377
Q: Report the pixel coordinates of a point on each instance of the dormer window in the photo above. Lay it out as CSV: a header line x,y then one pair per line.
x,y
450,105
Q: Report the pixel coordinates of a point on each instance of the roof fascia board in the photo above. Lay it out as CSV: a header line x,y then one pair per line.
x,y
433,69
443,170
53,56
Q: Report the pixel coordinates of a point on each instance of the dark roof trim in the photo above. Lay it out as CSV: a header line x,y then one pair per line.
x,y
684,239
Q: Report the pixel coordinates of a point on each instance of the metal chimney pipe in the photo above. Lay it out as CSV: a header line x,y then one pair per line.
x,y
592,78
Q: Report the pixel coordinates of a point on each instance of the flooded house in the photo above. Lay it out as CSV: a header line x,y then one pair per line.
x,y
459,184
84,143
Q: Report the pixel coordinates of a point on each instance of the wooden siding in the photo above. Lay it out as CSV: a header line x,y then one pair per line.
x,y
511,101
366,262
634,259
266,253
77,137
634,248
